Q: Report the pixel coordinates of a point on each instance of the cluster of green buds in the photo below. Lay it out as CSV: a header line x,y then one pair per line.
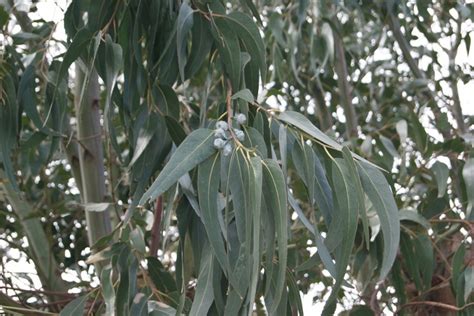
x,y
223,134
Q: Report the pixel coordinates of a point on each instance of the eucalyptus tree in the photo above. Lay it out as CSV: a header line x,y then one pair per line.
x,y
169,160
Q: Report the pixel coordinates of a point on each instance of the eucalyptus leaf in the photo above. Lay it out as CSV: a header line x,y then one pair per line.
x,y
377,189
196,148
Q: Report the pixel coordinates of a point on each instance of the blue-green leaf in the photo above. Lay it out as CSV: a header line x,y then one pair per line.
x,y
344,224
75,307
196,148
274,193
244,94
204,296
441,173
208,187
378,190
184,24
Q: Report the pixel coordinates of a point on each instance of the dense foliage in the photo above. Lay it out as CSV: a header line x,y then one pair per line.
x,y
222,157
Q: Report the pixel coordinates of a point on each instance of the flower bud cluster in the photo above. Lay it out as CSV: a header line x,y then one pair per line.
x,y
222,133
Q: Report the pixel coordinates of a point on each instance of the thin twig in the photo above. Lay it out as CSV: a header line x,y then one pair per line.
x,y
436,304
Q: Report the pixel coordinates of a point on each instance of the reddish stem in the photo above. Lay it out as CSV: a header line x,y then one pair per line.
x,y
155,230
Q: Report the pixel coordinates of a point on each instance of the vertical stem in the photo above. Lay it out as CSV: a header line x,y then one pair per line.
x,y
344,86
91,156
155,230
456,108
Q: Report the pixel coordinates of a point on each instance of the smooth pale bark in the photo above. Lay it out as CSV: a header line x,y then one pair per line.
x,y
91,154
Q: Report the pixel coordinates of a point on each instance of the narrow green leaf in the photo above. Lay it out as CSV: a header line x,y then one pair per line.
x,y
75,307
378,190
108,291
113,65
458,265
441,173
78,46
249,34
468,175
197,147
389,146
347,206
178,135
413,216
304,124
294,293
229,49
323,251
244,94
184,24
208,187
360,193
204,297
283,144
254,140
256,190
200,46
425,258
238,181
9,129
311,171
274,193
27,98
166,100
410,257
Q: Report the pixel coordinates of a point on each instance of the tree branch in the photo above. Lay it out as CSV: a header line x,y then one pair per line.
x,y
345,89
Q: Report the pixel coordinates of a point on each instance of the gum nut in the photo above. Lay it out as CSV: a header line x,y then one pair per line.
x,y
239,134
241,118
222,125
219,143
227,149
220,133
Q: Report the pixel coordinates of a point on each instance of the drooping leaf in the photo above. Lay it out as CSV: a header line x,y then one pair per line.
x,y
229,50
249,34
208,187
414,216
378,190
256,190
468,175
113,65
200,46
184,25
204,296
441,173
108,291
360,193
244,94
75,307
78,45
175,130
347,206
274,193
196,148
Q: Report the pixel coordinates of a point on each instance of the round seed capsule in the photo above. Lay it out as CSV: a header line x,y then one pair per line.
x,y
227,149
241,118
222,125
219,143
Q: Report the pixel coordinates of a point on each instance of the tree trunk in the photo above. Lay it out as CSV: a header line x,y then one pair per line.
x,y
91,155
